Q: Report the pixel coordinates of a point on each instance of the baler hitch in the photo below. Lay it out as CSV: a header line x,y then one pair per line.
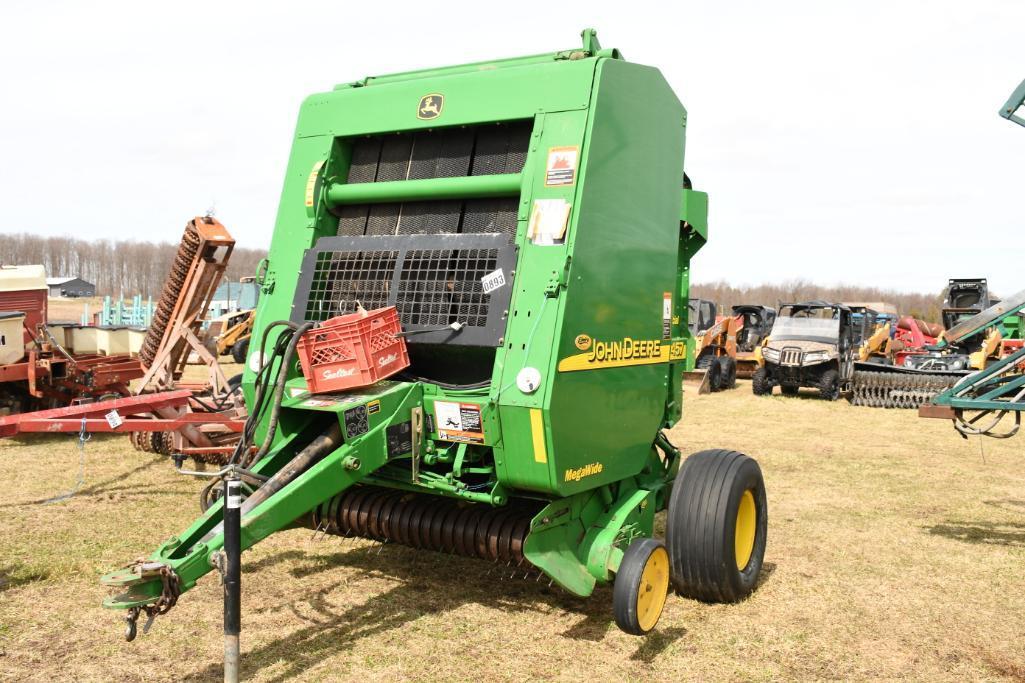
x,y
143,572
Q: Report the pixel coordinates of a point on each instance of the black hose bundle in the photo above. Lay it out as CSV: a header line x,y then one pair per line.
x,y
274,374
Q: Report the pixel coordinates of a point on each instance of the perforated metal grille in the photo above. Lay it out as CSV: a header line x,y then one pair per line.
x,y
445,153
432,280
443,286
341,278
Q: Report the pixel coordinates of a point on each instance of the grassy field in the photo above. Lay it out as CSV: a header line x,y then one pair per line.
x,y
895,551
70,310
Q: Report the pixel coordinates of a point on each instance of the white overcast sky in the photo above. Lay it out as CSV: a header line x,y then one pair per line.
x,y
843,142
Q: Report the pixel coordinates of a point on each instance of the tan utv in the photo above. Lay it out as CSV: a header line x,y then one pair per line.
x,y
810,345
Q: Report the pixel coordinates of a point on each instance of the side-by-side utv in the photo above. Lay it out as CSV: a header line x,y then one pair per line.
x,y
811,345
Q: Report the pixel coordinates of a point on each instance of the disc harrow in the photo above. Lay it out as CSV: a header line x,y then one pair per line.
x,y
897,390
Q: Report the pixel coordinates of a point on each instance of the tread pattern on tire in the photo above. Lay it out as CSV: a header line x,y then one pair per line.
x,y
239,350
702,564
727,373
760,382
829,385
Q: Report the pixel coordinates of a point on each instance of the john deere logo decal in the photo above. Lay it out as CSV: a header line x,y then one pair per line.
x,y
430,106
620,353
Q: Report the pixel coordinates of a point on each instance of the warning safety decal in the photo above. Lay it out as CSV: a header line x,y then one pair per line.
x,y
458,422
561,168
624,352
311,183
667,315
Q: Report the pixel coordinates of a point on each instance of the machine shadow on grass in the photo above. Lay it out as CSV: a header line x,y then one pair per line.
x,y
425,587
15,574
1009,534
417,595
106,486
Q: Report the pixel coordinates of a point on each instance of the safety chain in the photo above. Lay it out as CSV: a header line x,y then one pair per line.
x,y
83,437
171,589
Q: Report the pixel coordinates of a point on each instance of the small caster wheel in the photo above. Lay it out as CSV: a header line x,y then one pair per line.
x,y
642,585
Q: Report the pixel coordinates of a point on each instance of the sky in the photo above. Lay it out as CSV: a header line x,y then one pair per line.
x,y
839,142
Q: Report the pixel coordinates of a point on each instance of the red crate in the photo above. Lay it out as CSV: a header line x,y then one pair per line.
x,y
353,350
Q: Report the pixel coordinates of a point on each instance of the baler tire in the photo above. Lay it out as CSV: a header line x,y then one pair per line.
x,y
239,350
234,382
717,526
829,385
727,373
760,384
641,586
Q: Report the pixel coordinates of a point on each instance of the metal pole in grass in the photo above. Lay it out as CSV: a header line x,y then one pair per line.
x,y
232,576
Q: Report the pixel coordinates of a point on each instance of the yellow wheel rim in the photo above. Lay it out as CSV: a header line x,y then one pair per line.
x,y
744,536
654,587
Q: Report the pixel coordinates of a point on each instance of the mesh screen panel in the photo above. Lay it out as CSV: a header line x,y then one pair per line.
x,y
340,279
426,258
432,280
491,215
443,286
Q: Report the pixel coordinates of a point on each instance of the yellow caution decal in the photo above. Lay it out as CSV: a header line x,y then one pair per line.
x,y
623,352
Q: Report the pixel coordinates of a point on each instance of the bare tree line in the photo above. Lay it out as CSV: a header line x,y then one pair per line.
x,y
115,267
130,267
919,305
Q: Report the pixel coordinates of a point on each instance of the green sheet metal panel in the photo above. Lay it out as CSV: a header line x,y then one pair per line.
x,y
625,239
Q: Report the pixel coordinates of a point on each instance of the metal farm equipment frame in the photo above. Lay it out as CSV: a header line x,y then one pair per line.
x,y
979,403
526,219
195,273
165,415
46,374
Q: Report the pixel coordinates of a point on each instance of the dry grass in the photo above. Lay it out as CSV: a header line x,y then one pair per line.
x,y
895,551
70,310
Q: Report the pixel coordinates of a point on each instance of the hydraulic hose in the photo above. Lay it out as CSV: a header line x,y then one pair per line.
x,y
279,389
261,382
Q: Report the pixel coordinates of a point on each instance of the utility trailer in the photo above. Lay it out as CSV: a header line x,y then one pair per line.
x,y
526,220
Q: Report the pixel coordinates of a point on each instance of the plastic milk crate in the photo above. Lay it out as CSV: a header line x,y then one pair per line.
x,y
353,350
